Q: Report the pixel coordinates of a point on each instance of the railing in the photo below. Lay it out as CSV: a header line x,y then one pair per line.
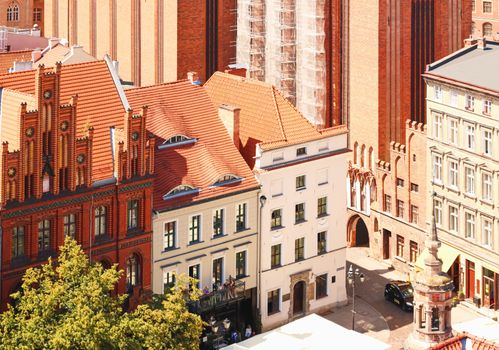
x,y
225,294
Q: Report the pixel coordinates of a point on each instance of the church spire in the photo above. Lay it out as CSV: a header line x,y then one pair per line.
x,y
433,265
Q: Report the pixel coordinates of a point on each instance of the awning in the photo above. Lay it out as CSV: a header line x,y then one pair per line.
x,y
445,253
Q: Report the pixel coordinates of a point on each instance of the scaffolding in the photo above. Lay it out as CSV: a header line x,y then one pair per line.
x,y
251,36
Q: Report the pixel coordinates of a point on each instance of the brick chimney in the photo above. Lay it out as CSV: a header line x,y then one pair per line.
x,y
482,43
468,42
230,118
241,71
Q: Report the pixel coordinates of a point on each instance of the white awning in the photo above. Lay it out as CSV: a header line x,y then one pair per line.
x,y
445,253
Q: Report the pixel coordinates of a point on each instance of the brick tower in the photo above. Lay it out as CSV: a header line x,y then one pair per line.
x,y
432,299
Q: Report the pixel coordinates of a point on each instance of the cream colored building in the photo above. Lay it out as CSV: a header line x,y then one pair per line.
x,y
463,165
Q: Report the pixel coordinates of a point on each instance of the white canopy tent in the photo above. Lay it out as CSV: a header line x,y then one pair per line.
x,y
311,332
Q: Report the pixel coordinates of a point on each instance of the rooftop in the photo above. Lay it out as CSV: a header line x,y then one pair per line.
x,y
267,117
201,152
7,59
465,341
471,65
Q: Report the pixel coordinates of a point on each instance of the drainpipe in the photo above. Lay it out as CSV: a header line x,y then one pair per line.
x,y
262,199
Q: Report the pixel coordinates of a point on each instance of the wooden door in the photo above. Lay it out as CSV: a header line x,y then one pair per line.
x,y
386,244
298,298
470,279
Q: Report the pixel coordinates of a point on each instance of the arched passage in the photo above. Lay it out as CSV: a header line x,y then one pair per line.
x,y
299,298
357,232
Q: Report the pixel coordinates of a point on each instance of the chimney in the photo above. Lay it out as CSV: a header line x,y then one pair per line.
x,y
468,42
230,118
482,43
36,55
53,42
193,77
241,71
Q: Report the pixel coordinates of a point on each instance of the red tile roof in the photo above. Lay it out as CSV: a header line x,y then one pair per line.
x,y
99,105
456,343
181,108
267,117
7,59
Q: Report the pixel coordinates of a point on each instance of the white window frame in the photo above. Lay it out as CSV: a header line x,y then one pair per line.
x,y
437,126
487,189
453,218
453,178
470,103
224,226
437,168
213,258
200,228
175,236
438,211
487,141
244,249
236,211
453,98
487,107
437,93
470,137
487,232
469,180
453,136
469,227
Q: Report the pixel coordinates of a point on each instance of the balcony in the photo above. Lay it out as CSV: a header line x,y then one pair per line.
x,y
226,294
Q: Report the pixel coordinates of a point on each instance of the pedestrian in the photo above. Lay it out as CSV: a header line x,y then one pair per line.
x,y
248,332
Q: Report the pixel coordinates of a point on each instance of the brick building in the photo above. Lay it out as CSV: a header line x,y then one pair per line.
x,y
154,41
21,13
384,57
76,160
485,15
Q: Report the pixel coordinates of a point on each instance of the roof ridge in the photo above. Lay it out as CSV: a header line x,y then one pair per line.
x,y
276,106
157,85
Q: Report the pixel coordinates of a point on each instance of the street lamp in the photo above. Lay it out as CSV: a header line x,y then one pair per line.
x,y
215,327
351,277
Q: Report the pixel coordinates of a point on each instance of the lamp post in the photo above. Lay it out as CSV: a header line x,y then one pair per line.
x,y
214,327
352,277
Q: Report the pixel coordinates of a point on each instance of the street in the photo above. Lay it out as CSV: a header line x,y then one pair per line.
x,y
375,316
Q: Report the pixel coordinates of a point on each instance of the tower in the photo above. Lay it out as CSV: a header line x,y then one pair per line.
x,y
432,299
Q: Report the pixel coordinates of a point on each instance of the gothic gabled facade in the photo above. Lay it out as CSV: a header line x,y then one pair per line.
x,y
75,161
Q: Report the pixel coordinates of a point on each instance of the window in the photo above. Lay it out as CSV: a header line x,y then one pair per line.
x,y
299,213
321,286
322,206
414,187
43,235
470,103
473,24
400,246
100,221
302,151
470,137
241,217
218,275
388,203
17,241
487,29
168,280
300,249
300,182
13,13
70,225
487,7
487,232
400,182
218,222
469,231
486,186
470,180
487,142
453,98
169,235
322,177
133,271
487,107
453,219
438,212
437,126
275,256
194,229
413,246
37,14
414,214
453,129
241,264
195,272
437,93
133,214
276,220
273,299
437,168
278,156
400,208
321,243
453,173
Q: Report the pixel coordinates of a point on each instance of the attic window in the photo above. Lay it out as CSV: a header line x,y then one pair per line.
x,y
181,190
302,151
177,140
227,179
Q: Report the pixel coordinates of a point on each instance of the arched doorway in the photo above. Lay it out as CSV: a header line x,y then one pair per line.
x,y
357,232
299,298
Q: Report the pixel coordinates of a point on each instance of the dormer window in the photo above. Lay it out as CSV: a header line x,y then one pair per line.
x,y
177,140
181,190
227,179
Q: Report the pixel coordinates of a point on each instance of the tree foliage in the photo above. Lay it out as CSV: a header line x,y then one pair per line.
x,y
71,304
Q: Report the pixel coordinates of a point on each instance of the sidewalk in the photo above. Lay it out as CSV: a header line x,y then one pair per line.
x,y
367,319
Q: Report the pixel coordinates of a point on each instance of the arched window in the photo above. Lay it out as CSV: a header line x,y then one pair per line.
x,y
181,190
133,270
227,179
13,13
363,156
487,29
371,158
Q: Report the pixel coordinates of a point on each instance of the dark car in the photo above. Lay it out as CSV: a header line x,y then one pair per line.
x,y
400,293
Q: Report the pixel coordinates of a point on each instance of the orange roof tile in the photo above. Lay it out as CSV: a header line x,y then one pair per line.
x,y
7,59
54,55
181,108
267,117
456,343
99,105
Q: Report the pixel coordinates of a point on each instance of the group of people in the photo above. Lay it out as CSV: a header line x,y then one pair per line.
x,y
229,287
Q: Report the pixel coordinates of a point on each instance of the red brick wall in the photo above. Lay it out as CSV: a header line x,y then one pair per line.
x,y
334,31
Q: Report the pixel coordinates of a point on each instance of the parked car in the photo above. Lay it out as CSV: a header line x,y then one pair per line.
x,y
400,293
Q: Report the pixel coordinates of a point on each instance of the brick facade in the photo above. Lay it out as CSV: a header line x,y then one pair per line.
x,y
27,14
485,18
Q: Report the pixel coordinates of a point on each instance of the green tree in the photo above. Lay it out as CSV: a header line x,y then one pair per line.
x,y
71,305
